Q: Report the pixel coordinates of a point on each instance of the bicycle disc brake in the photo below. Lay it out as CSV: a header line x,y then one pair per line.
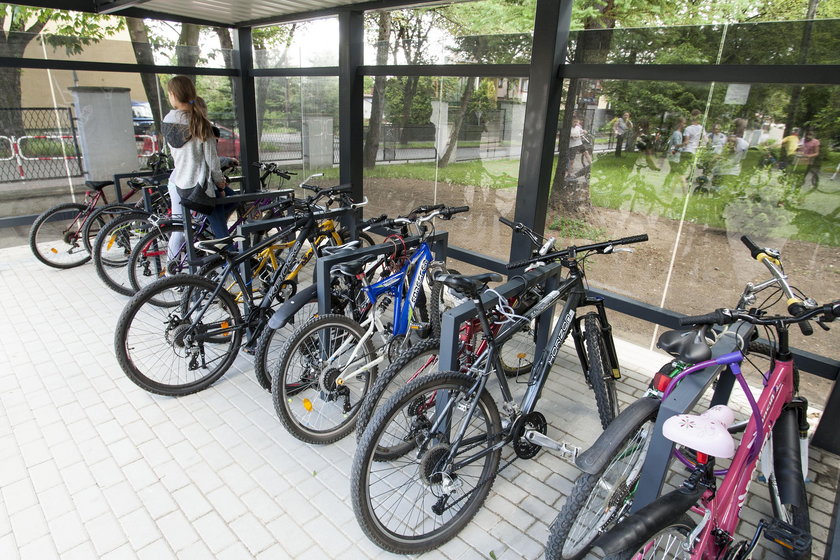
x,y
525,449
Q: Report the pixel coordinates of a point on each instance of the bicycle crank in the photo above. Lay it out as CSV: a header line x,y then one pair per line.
x,y
568,452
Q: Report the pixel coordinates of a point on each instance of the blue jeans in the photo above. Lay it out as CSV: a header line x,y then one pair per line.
x,y
218,219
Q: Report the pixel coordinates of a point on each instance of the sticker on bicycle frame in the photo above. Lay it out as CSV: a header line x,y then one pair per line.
x,y
564,330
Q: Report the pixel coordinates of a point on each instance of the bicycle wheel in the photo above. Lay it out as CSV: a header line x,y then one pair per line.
x,y
56,236
98,219
310,403
417,360
598,374
417,501
270,345
792,511
600,500
112,248
666,544
162,351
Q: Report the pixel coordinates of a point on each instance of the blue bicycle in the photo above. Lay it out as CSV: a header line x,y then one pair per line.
x,y
328,365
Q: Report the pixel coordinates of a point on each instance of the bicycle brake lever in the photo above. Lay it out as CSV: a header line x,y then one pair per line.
x,y
622,250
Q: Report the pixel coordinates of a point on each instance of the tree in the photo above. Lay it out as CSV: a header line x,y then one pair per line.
x,y
374,131
20,25
144,54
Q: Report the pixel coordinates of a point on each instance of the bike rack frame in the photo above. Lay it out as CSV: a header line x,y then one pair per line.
x,y
683,399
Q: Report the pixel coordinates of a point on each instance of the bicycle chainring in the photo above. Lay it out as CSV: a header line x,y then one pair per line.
x,y
525,449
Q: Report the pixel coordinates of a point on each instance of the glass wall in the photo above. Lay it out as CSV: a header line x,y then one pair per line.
x,y
447,140
696,166
303,44
297,120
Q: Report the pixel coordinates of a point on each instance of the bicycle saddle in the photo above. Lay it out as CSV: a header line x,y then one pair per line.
x,y
470,286
706,433
218,245
688,346
329,251
352,268
98,185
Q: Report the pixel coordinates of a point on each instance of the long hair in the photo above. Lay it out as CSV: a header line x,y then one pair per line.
x,y
183,89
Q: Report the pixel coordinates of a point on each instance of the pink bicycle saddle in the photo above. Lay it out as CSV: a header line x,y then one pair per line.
x,y
706,432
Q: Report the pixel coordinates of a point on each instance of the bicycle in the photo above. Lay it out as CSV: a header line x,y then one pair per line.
x,y
331,361
611,468
432,451
777,419
517,354
181,333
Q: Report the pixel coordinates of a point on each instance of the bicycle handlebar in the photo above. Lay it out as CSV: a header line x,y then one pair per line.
x,y
828,312
604,247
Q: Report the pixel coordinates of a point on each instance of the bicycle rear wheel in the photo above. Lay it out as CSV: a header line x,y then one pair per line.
x,y
98,219
56,236
600,500
112,249
599,374
270,345
310,401
417,501
162,351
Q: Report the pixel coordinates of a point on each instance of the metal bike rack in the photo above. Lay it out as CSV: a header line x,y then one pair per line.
x,y
683,399
323,266
453,318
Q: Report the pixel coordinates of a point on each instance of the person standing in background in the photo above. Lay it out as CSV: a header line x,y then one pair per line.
x,y
810,156
717,139
676,143
790,144
620,128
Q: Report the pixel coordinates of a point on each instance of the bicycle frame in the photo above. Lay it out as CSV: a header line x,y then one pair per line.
x,y
724,505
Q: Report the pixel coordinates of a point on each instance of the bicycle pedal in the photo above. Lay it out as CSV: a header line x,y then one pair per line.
x,y
788,536
422,330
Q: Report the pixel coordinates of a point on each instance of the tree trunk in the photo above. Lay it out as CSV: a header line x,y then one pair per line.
x,y
261,60
12,45
143,55
804,48
459,121
226,44
409,91
187,49
377,107
571,197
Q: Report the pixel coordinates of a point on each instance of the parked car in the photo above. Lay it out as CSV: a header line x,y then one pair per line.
x,y
228,145
141,113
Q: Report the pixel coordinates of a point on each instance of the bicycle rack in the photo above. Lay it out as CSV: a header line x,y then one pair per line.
x,y
453,318
683,399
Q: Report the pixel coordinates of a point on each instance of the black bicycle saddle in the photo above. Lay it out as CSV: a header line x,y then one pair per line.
x,y
689,346
470,286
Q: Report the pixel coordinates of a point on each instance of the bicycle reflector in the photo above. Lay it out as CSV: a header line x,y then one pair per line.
x,y
662,378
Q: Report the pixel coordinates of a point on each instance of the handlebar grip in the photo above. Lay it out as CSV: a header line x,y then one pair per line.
x,y
796,309
426,208
457,209
632,239
371,221
717,317
755,250
507,222
520,264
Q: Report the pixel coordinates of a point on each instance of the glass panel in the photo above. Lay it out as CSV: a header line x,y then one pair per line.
x,y
456,34
297,45
793,42
696,166
298,123
454,141
158,46
52,129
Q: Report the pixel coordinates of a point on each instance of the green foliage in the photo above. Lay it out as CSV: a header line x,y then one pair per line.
x,y
576,229
421,106
70,30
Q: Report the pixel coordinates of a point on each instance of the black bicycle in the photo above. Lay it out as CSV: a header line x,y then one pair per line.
x,y
427,460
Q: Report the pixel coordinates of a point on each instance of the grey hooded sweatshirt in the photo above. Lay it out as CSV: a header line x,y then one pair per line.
x,y
191,156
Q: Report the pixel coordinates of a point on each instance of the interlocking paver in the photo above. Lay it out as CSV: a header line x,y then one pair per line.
x,y
97,467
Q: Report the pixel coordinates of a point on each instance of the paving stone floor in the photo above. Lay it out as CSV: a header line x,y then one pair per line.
x,y
91,466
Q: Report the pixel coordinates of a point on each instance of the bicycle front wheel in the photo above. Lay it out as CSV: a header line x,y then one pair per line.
x,y
599,374
170,350
418,500
271,342
98,219
322,376
600,500
56,236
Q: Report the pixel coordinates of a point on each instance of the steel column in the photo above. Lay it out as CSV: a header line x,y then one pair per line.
x,y
351,32
246,110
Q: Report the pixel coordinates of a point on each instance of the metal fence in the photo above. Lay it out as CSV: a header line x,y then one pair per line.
x,y
38,143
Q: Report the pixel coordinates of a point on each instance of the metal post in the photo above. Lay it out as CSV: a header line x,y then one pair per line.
x,y
246,110
351,34
551,34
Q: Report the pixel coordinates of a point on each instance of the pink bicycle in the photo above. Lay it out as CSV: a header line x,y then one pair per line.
x,y
662,529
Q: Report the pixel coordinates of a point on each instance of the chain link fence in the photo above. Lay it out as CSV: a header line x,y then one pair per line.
x,y
38,143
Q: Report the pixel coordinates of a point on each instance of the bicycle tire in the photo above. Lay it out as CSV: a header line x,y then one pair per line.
x,y
150,337
112,249
271,342
674,535
417,477
599,374
795,513
62,249
600,500
98,219
414,361
516,354
307,399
